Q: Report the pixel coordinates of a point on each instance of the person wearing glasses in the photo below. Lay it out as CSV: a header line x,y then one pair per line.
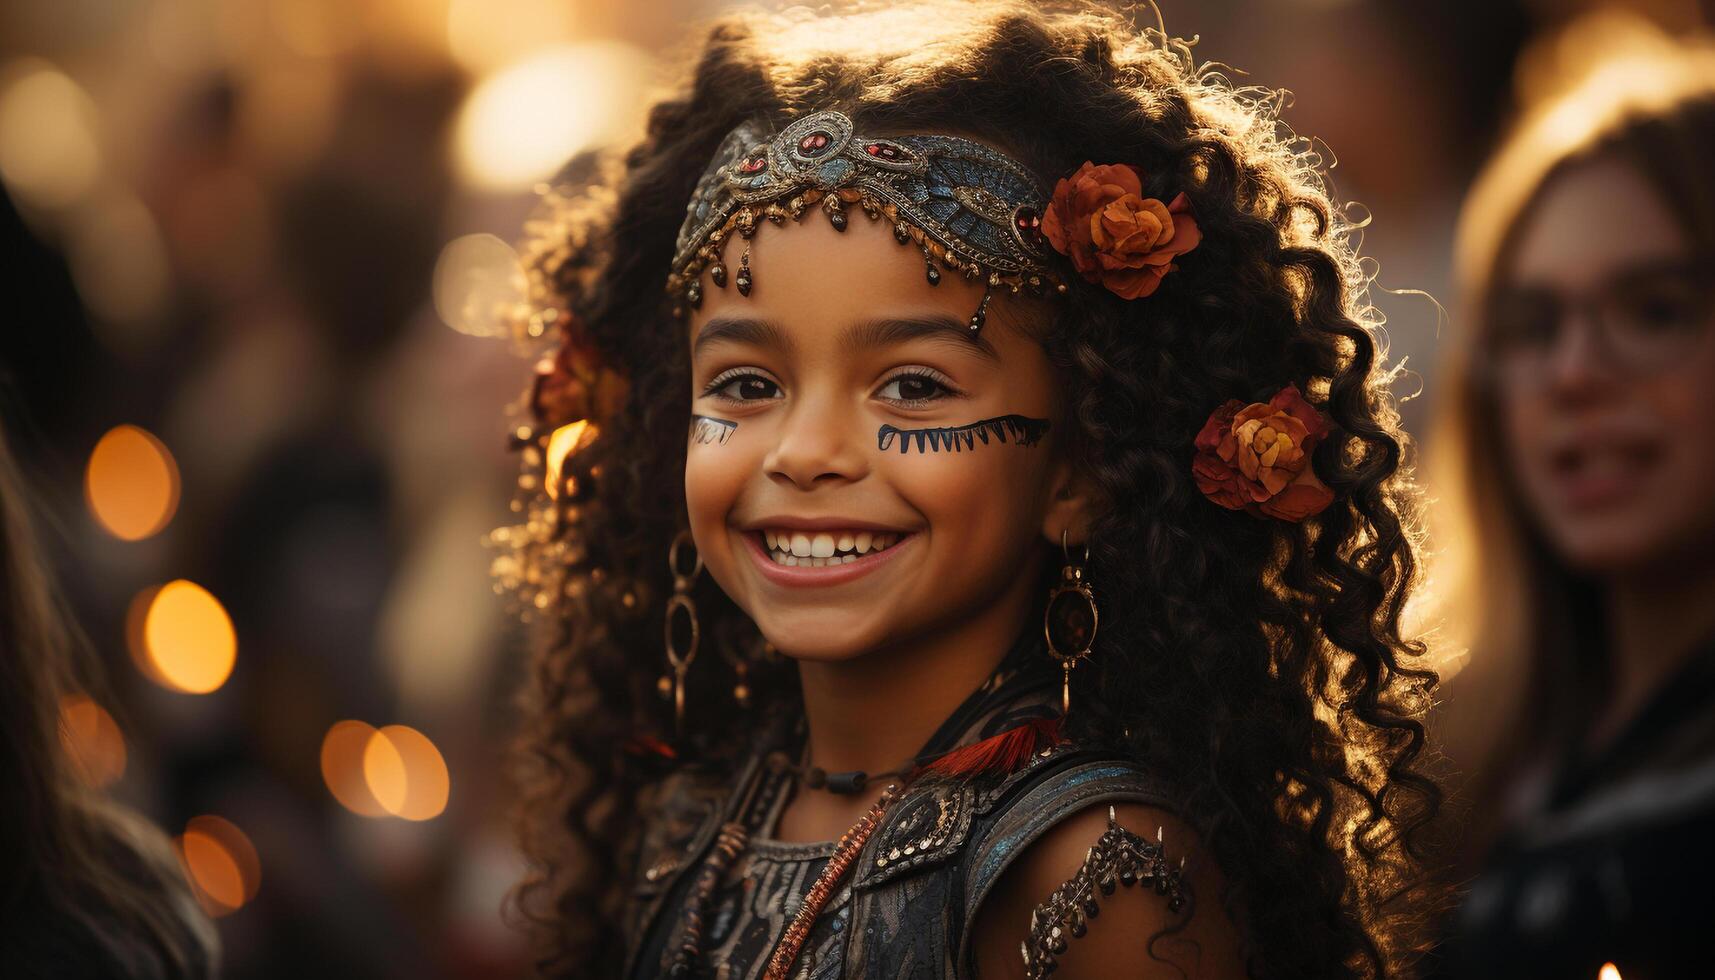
x,y
1580,408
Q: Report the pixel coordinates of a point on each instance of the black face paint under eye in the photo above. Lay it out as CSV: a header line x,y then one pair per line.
x,y
1018,429
706,429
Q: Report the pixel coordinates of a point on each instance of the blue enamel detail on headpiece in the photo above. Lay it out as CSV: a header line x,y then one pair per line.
x,y
960,193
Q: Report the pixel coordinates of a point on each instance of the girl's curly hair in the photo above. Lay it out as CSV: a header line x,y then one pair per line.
x,y
1257,663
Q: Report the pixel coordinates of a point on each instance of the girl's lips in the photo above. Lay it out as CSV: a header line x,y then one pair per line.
x,y
807,575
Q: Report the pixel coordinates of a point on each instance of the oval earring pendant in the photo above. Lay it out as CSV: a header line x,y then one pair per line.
x,y
1069,625
680,655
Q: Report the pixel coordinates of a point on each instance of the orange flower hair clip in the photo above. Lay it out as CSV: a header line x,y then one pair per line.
x,y
1256,458
574,383
1099,218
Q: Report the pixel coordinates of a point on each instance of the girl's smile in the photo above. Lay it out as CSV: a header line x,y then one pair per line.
x,y
799,556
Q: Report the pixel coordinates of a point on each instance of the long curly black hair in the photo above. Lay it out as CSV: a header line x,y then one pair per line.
x,y
1260,664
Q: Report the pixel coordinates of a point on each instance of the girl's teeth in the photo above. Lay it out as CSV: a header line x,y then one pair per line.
x,y
796,549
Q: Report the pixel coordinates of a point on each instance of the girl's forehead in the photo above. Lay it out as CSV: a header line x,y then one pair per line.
x,y
811,281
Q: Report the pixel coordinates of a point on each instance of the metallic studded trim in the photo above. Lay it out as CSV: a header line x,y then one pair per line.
x,y
933,823
675,840
988,798
665,863
1120,857
925,827
1025,816
660,869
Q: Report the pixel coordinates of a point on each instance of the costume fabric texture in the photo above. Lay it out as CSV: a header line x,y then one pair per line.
x,y
907,907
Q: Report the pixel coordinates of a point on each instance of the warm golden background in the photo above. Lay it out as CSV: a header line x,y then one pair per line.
x,y
237,233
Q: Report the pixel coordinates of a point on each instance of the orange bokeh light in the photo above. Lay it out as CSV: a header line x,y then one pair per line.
x,y
220,863
131,483
393,771
343,750
425,784
92,740
384,772
187,638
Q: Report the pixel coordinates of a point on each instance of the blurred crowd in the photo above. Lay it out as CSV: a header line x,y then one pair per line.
x,y
251,371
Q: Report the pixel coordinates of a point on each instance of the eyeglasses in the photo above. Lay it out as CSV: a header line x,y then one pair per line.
x,y
1644,320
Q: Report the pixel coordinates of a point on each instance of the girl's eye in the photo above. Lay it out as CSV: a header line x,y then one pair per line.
x,y
913,389
743,388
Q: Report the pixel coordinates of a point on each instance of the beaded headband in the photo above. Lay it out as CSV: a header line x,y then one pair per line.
x,y
967,206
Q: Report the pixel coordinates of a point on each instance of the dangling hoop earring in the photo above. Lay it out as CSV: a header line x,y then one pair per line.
x,y
1069,622
681,599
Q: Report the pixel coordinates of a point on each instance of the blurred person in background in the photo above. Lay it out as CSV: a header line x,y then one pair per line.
x,y
1579,415
87,888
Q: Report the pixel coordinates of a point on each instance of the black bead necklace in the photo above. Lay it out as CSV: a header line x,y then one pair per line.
x,y
842,783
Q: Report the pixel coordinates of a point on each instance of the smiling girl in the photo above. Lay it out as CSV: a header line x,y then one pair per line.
x,y
981,401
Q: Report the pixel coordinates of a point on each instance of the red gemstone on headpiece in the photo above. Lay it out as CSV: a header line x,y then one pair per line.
x,y
882,150
753,165
814,141
1029,222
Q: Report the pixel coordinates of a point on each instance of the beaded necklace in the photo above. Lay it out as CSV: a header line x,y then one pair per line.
x,y
1021,733
730,842
845,852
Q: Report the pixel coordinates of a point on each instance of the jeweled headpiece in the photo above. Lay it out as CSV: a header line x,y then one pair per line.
x,y
967,206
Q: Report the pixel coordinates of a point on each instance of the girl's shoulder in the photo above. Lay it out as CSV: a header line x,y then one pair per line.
x,y
979,850
1087,833
1034,810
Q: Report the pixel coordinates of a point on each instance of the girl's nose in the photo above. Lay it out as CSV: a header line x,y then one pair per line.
x,y
819,444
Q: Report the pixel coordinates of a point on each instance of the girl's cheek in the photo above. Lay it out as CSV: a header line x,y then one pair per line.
x,y
970,496
944,484
715,474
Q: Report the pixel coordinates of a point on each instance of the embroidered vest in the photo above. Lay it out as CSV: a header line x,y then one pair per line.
x,y
907,906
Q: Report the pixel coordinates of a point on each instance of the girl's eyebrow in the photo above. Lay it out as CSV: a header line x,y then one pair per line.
x,y
878,332
888,331
741,330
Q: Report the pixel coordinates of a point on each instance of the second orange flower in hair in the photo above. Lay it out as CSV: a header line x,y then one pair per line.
x,y
574,383
1099,218
1256,457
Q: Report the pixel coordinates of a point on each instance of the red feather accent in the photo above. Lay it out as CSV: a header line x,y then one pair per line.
x,y
649,745
1001,753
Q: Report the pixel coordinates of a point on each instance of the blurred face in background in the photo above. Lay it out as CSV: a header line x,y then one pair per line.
x,y
1603,367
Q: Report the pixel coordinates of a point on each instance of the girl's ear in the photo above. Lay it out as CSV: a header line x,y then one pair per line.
x,y
1072,503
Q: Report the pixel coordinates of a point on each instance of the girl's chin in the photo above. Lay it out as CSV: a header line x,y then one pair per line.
x,y
819,639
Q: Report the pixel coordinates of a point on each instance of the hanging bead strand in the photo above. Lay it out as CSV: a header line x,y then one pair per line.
x,y
742,280
845,854
981,315
728,846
